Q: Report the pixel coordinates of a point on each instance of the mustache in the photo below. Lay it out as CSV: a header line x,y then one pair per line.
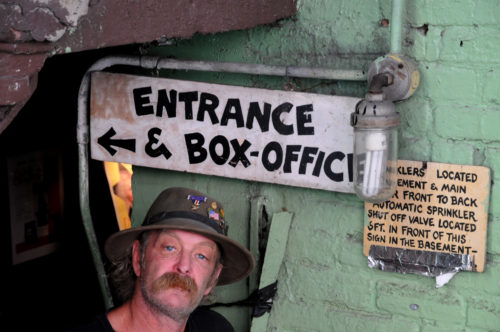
x,y
174,280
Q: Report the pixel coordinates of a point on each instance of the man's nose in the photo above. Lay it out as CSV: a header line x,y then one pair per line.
x,y
184,262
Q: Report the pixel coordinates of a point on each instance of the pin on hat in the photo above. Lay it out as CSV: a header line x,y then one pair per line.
x,y
189,210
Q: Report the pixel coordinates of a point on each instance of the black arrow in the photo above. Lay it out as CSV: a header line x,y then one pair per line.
x,y
106,142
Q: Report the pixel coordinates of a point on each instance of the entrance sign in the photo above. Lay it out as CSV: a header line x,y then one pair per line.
x,y
437,207
290,138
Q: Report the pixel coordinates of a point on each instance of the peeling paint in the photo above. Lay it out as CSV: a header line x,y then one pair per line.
x,y
43,28
40,20
56,35
68,11
76,9
14,87
17,34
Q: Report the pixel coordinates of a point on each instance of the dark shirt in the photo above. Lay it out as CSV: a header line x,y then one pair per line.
x,y
201,320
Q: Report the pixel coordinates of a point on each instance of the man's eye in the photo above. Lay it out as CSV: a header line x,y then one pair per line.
x,y
202,257
169,248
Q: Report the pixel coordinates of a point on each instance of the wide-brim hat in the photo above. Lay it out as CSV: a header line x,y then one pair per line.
x,y
188,210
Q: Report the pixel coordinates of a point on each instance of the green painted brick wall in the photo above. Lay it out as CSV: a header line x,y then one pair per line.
x,y
454,117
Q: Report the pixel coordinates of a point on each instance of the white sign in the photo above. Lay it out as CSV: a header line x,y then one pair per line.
x,y
290,138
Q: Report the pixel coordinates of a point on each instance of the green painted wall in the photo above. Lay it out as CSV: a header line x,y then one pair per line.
x,y
454,117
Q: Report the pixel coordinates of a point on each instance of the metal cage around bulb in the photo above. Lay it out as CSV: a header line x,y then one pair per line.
x,y
375,123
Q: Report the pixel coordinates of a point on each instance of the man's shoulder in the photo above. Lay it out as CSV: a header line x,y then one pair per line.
x,y
204,319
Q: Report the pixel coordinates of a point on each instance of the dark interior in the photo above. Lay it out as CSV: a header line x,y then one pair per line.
x,y
61,289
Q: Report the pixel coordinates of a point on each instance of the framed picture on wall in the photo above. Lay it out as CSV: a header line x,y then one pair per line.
x,y
35,203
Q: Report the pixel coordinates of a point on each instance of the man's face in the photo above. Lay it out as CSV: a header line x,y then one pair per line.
x,y
176,270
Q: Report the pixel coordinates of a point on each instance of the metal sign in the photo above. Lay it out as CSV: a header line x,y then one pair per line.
x,y
290,138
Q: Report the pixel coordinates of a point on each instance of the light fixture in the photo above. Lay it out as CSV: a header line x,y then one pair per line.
x,y
375,121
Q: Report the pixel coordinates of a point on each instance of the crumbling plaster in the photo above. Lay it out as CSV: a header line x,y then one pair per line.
x,y
33,30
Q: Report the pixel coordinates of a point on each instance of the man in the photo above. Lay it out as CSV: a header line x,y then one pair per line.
x,y
170,263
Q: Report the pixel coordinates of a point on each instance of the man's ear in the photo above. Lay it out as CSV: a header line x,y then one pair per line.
x,y
215,277
136,257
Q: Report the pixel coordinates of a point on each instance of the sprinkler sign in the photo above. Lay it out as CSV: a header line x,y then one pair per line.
x,y
291,138
437,207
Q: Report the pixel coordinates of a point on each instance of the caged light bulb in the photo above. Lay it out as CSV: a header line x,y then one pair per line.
x,y
375,125
393,77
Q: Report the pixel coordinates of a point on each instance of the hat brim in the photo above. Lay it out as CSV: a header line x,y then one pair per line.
x,y
238,262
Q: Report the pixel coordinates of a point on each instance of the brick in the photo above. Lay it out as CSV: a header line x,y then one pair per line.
x,y
322,284
448,151
416,12
18,77
484,312
458,12
491,92
494,209
417,47
339,234
359,321
492,160
486,11
451,83
457,43
490,122
458,122
312,250
416,116
351,251
300,316
342,217
397,323
325,11
486,45
471,44
396,297
21,65
414,148
16,90
493,232
476,283
323,316
426,46
339,244
438,326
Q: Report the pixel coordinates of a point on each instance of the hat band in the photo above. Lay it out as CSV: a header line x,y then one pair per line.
x,y
184,215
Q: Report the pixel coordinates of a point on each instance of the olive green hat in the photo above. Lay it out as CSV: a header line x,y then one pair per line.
x,y
188,210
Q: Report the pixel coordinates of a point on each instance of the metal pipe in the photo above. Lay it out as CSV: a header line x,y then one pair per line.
x,y
152,62
89,228
260,69
396,25
83,139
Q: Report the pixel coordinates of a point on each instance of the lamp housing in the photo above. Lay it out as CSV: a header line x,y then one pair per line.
x,y
391,78
375,123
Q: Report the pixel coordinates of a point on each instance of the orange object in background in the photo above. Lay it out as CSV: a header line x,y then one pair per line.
x,y
119,177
